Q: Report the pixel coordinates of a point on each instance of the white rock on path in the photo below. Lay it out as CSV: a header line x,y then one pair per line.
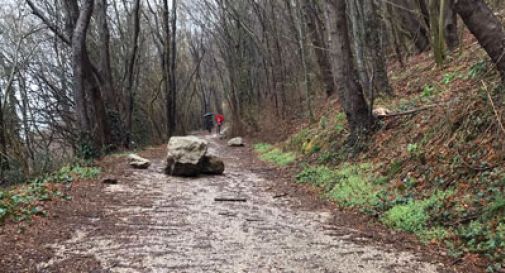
x,y
138,162
236,142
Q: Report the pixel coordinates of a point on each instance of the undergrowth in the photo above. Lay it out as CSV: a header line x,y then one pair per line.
x,y
274,155
22,203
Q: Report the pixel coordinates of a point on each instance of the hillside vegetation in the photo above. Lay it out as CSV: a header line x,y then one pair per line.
x,y
435,169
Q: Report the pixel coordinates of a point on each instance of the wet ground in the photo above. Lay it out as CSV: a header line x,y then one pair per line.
x,y
150,222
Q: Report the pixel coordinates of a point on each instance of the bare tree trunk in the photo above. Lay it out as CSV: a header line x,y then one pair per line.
x,y
451,25
317,31
4,162
436,20
303,59
79,56
379,75
395,37
173,69
486,27
105,71
130,70
166,69
425,12
351,92
357,28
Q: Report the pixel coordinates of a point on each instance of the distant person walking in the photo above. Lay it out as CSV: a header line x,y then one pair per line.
x,y
208,121
219,120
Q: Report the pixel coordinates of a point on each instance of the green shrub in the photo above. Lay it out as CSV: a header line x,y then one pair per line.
x,y
354,187
86,172
411,217
277,157
477,69
298,140
414,215
263,148
487,238
449,77
326,157
434,234
428,90
394,168
340,118
21,203
320,176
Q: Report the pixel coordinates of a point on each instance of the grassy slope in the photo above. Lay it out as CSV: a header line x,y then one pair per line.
x,y
438,173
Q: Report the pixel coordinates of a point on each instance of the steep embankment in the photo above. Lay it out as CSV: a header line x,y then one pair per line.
x,y
436,170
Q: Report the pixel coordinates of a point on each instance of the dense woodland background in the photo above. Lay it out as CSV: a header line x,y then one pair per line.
x,y
84,78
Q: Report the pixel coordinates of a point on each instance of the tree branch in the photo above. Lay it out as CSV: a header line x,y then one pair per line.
x,y
37,12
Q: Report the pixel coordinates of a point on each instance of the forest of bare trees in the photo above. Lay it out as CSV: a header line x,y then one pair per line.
x,y
84,78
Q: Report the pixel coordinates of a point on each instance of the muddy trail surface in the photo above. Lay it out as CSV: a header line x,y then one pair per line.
x,y
150,222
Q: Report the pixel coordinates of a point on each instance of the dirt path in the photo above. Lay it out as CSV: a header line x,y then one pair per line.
x,y
155,223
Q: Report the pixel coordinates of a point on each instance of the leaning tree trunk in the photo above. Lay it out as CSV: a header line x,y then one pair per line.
x,y
79,56
486,27
350,91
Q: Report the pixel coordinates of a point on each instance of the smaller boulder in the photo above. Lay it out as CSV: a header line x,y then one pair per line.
x,y
211,165
138,162
236,142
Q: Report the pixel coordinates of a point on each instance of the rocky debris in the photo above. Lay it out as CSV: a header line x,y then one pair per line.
x,y
138,162
236,142
110,180
187,156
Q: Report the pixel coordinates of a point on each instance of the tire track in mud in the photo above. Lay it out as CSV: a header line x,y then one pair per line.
x,y
168,224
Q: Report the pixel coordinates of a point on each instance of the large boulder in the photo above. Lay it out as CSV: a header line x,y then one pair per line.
x,y
186,157
138,162
211,165
236,142
187,150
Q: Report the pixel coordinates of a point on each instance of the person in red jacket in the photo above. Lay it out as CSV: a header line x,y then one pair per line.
x,y
219,120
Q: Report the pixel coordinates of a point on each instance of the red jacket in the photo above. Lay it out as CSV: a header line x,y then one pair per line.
x,y
219,119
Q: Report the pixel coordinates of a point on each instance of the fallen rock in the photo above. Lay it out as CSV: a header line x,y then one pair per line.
x,y
236,142
185,155
138,162
212,165
187,150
